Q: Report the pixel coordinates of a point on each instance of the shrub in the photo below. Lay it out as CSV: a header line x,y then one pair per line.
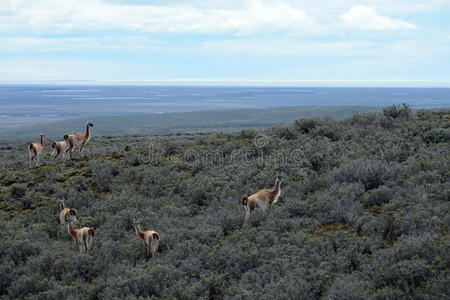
x,y
348,287
370,173
305,125
103,173
398,111
18,191
378,196
437,135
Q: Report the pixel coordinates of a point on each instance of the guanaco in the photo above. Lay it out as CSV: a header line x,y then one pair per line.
x,y
35,150
149,238
262,199
83,237
78,139
60,147
64,211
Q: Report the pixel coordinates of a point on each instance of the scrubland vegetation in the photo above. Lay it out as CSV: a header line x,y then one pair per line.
x,y
364,213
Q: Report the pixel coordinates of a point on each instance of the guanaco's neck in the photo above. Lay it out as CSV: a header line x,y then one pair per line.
x,y
42,140
72,231
139,232
276,187
88,131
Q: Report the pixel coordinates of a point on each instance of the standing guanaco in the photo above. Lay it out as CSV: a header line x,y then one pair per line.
x,y
82,236
60,147
35,150
78,139
149,238
64,211
262,199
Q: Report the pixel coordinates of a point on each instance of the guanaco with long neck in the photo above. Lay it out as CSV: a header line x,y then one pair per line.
x,y
262,199
60,147
83,237
149,238
78,139
64,211
35,150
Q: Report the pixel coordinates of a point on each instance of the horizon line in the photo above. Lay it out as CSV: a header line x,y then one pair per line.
x,y
331,83
234,80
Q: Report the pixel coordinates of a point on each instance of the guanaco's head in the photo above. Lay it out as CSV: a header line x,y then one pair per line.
x,y
42,134
73,212
70,218
244,199
279,179
136,223
89,124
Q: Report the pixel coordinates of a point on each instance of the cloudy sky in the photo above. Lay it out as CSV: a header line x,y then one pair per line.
x,y
238,40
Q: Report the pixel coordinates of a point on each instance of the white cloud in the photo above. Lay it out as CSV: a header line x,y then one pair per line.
x,y
18,44
68,15
363,17
286,47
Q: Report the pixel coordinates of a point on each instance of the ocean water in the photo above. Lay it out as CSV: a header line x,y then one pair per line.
x,y
31,104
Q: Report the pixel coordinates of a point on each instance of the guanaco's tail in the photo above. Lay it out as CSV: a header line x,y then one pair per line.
x,y
156,236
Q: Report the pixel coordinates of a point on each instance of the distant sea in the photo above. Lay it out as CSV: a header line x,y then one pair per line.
x,y
22,105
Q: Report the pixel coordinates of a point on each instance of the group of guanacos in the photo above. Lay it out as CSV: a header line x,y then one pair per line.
x,y
66,147
84,237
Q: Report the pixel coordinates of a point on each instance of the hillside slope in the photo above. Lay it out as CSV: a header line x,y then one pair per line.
x,y
364,214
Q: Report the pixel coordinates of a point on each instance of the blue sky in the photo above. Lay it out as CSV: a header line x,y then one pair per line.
x,y
276,42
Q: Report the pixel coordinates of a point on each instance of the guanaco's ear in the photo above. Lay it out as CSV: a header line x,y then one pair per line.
x,y
61,205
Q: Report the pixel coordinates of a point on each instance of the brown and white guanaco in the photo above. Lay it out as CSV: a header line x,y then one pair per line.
x,y
60,147
262,199
35,150
83,237
64,211
78,139
149,238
